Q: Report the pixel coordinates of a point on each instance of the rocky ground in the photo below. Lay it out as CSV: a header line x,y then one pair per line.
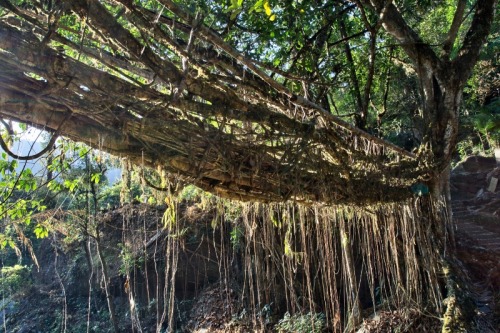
x,y
476,211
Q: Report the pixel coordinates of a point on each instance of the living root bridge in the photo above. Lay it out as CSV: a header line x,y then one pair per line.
x,y
340,261
187,101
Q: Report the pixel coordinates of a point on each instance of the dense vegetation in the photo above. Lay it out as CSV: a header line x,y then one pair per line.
x,y
335,119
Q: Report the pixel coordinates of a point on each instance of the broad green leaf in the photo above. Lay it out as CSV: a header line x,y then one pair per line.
x,y
96,177
41,231
257,7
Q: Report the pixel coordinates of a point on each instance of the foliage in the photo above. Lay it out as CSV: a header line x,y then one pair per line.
x,y
487,122
192,193
14,279
480,129
236,236
17,204
128,259
310,322
15,185
110,196
81,172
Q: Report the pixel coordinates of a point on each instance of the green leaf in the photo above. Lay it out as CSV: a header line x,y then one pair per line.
x,y
41,231
96,178
235,14
234,8
82,152
54,186
71,185
257,7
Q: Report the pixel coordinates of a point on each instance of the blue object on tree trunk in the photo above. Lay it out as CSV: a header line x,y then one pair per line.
x,y
420,189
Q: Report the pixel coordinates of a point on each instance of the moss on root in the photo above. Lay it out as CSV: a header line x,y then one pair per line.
x,y
460,306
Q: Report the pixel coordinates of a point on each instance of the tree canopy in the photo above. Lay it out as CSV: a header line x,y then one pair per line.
x,y
338,103
254,100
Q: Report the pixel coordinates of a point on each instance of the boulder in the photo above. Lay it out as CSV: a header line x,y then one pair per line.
x,y
472,177
474,164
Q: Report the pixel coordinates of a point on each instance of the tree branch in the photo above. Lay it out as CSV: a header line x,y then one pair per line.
x,y
49,146
475,39
393,22
453,32
360,119
224,134
210,36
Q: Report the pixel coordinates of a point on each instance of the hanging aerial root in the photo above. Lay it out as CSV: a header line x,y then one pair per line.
x,y
342,261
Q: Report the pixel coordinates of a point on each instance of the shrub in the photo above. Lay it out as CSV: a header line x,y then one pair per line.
x,y
310,322
14,279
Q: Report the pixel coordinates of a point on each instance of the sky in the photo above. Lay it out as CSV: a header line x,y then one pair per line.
x,y
33,140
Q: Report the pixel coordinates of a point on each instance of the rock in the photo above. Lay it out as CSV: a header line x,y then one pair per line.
x,y
495,173
472,177
478,164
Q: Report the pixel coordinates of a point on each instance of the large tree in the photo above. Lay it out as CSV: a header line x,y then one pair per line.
x,y
266,101
441,76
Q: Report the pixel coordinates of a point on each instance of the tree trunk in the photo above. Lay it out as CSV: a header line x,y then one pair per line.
x,y
442,94
442,97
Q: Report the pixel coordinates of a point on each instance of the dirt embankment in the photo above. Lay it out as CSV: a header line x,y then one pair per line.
x,y
476,212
